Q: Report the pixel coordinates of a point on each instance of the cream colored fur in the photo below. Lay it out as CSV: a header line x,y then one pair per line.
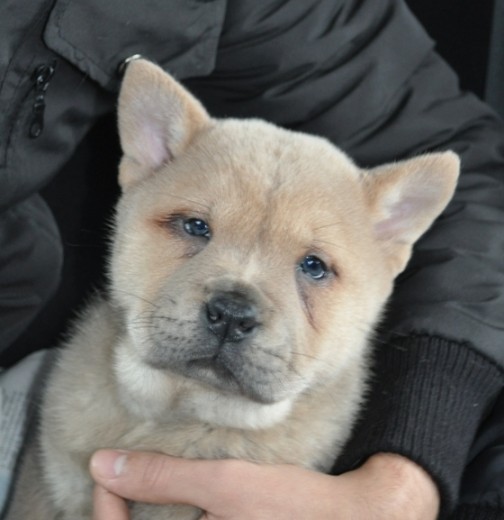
x,y
290,392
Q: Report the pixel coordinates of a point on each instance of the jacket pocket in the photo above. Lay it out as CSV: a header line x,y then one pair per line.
x,y
97,36
26,69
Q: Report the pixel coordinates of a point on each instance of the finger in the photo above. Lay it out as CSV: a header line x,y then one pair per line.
x,y
158,478
107,506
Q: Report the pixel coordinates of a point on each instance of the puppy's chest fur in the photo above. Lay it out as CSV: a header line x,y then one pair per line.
x,y
91,410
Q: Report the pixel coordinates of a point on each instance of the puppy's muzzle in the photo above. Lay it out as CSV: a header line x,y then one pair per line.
x,y
232,317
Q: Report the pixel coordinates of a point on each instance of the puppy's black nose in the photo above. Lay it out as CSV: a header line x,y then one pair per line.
x,y
231,317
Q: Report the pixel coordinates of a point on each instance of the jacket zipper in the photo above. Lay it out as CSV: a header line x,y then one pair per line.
x,y
42,77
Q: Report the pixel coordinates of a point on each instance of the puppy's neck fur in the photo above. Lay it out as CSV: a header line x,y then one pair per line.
x,y
162,396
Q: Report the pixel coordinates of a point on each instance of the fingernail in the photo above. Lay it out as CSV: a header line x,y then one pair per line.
x,y
108,464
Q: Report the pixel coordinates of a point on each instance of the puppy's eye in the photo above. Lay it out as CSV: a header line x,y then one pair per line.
x,y
197,227
313,267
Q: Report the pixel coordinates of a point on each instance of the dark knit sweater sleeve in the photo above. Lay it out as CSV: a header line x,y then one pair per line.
x,y
426,401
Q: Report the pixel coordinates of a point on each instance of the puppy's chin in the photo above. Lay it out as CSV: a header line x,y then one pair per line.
x,y
162,396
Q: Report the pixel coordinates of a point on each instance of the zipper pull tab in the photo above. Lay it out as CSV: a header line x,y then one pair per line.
x,y
42,77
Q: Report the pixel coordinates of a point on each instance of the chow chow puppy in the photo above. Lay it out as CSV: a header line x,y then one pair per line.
x,y
249,267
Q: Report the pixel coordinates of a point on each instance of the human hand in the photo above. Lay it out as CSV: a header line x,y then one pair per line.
x,y
387,486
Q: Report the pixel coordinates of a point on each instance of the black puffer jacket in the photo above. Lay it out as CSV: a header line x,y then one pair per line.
x,y
363,74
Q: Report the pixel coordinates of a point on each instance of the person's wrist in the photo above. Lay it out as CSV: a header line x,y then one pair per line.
x,y
409,492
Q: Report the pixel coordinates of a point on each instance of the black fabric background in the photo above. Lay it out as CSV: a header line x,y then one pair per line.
x,y
462,30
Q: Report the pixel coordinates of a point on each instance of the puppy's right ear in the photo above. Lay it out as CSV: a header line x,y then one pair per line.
x,y
158,118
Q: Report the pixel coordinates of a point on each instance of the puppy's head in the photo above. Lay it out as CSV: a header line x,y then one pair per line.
x,y
250,261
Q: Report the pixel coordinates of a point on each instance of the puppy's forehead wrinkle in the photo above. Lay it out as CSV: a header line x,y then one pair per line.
x,y
322,244
257,150
267,183
336,223
191,201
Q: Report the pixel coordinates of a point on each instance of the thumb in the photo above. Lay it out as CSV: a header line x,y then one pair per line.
x,y
157,478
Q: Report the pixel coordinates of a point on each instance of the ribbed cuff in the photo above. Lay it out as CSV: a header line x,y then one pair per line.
x,y
426,400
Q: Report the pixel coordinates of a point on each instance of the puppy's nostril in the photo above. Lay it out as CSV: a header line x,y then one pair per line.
x,y
213,315
247,325
231,317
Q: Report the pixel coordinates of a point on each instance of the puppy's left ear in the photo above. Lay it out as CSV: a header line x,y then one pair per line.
x,y
158,118
405,198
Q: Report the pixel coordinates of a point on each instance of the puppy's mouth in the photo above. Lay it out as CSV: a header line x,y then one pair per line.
x,y
212,366
214,371
219,372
